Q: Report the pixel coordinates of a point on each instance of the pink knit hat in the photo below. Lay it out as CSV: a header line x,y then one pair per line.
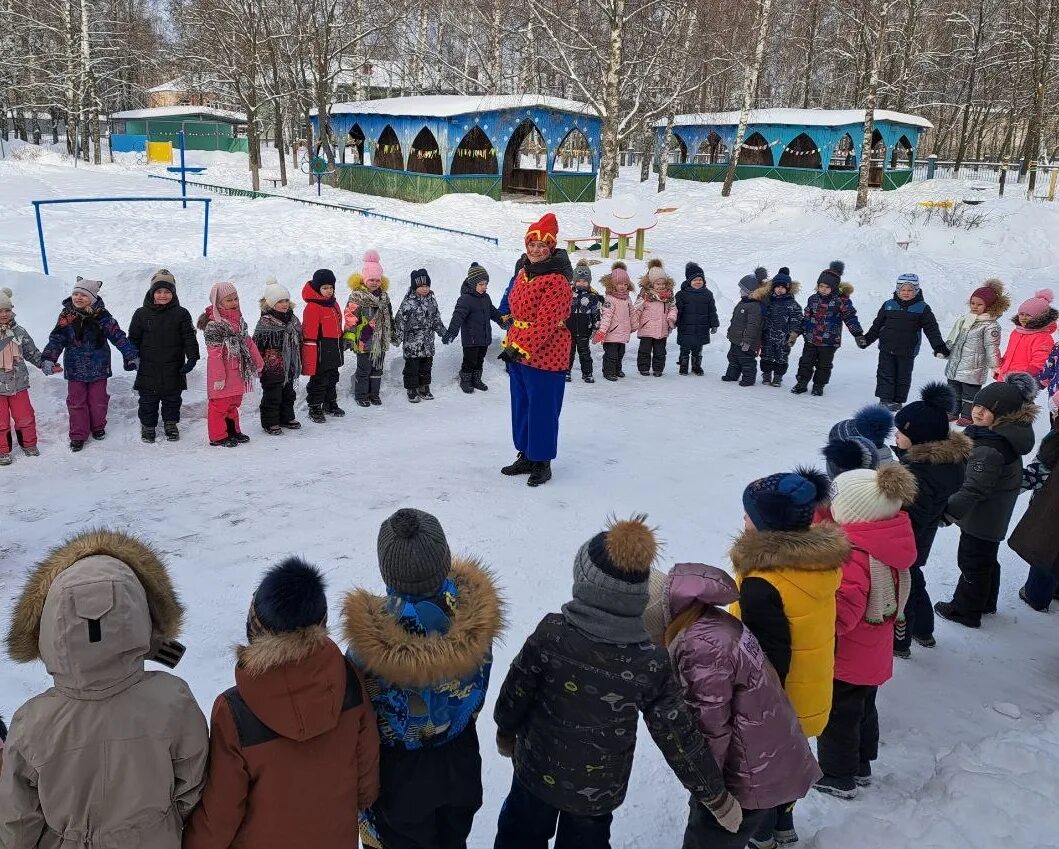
x,y
1039,304
371,266
218,293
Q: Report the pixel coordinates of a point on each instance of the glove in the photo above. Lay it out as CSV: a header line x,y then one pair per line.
x,y
727,811
188,366
447,338
744,347
946,520
943,352
862,342
48,367
218,385
791,339
510,355
133,364
505,744
599,337
347,344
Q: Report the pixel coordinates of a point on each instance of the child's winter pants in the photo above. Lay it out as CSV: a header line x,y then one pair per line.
x,y
277,403
322,388
473,358
583,348
919,612
218,414
417,372
536,402
816,364
367,381
651,355
780,818
704,832
965,393
694,353
742,366
149,403
774,367
526,822
87,403
613,354
17,408
893,378
851,737
979,584
1040,587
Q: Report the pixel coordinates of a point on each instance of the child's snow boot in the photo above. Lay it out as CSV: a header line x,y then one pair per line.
x,y
76,445
425,394
863,776
777,380
521,466
363,402
5,459
749,380
467,382
682,361
766,378
799,388
587,378
293,424
817,390
476,381
541,474
274,430
316,413
926,642
332,409
172,432
767,843
148,434
837,786
99,434
227,442
413,396
731,375
233,432
31,450
696,365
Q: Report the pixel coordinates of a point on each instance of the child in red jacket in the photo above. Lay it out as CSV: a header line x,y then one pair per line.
x,y
321,345
1031,341
875,586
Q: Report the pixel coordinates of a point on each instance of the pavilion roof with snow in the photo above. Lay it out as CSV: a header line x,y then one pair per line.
x,y
818,147
420,148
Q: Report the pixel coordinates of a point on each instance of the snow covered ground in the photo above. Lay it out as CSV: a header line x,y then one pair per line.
x,y
955,768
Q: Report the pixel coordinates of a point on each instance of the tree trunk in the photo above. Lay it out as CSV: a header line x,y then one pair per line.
x,y
663,159
869,108
647,144
496,47
608,164
72,106
749,87
965,118
810,50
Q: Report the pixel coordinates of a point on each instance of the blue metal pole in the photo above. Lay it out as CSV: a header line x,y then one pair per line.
x,y
40,236
206,227
183,171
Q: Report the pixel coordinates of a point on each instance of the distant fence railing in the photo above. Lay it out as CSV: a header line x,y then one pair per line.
x,y
983,172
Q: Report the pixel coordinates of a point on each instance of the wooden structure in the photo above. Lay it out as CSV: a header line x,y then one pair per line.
x,y
512,146
811,147
203,128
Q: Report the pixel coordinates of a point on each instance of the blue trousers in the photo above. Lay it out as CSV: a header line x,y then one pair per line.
x,y
1040,587
536,402
526,822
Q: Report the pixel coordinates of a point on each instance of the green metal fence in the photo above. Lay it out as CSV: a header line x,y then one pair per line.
x,y
563,188
198,135
839,180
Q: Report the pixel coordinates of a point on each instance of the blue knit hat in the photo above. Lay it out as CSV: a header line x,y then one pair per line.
x,y
844,455
873,422
782,278
786,501
908,280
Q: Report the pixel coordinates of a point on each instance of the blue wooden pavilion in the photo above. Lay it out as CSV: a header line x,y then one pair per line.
x,y
813,147
420,148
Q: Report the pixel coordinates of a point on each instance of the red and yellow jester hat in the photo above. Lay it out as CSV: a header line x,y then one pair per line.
x,y
546,230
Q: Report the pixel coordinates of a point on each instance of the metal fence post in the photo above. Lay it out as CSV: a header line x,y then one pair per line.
x,y
1003,176
183,170
205,226
932,164
40,236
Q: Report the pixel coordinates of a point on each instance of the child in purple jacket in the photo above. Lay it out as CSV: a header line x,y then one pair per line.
x,y
83,330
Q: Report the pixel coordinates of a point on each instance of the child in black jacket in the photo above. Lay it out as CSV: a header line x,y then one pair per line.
x,y
937,457
584,318
474,310
696,318
899,327
164,334
744,332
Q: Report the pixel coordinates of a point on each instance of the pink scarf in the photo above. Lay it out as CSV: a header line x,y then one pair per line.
x,y
10,350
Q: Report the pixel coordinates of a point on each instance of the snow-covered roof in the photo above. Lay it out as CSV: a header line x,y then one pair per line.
x,y
449,105
172,85
798,117
182,112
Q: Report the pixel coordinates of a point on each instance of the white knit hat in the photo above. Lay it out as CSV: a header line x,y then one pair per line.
x,y
274,293
866,495
88,287
655,272
5,300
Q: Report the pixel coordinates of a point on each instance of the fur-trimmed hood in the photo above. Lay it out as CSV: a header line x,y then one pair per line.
x,y
955,448
356,281
762,292
98,587
792,290
386,649
820,549
1044,322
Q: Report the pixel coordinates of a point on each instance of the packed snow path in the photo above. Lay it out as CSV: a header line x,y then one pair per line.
x,y
954,770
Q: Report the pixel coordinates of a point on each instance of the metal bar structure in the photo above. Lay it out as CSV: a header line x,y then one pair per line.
x,y
183,170
37,204
359,210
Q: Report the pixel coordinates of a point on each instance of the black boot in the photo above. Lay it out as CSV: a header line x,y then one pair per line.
x,y
818,390
99,434
467,382
316,413
777,380
569,377
476,381
521,466
425,394
766,378
696,365
682,361
172,432
799,388
374,390
76,445
413,396
235,434
541,474
587,378
147,434
332,409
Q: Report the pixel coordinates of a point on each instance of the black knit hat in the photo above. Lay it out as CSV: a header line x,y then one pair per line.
x,y
782,278
927,420
1009,395
414,556
290,597
832,275
322,277
476,274
693,270
420,278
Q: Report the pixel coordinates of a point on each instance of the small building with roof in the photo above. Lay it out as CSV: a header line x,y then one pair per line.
x,y
811,147
204,128
512,146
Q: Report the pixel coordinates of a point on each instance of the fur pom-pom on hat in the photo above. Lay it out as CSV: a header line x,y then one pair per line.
x,y
782,278
866,495
290,597
631,545
619,275
655,272
761,273
5,299
874,422
1039,304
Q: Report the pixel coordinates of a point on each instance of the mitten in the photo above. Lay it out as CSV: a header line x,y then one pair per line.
x,y
188,366
511,355
218,385
943,352
48,367
727,811
133,364
744,347
599,337
791,339
862,342
505,744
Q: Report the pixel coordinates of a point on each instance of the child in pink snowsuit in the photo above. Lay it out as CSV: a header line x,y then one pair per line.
x,y
16,348
615,325
232,363
654,315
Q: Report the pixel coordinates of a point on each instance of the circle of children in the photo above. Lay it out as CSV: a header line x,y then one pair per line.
x,y
731,674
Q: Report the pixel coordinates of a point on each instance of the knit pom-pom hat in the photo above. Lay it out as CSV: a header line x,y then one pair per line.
x,y
874,422
274,293
414,556
290,597
1039,304
843,455
655,272
371,267
476,274
693,270
782,278
927,420
583,271
218,292
832,275
786,501
1008,395
619,273
5,299
992,294
867,495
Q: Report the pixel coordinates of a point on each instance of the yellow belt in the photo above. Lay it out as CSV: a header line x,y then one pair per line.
x,y
522,324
